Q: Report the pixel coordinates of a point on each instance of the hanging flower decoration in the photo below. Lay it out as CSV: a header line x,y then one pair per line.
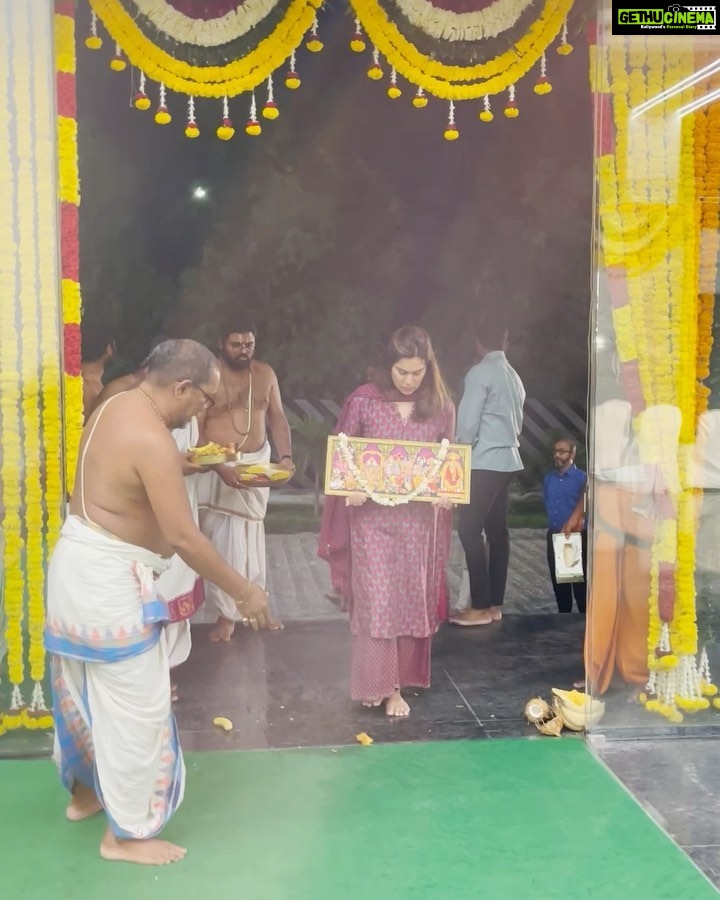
x,y
451,133
226,130
162,116
531,33
564,48
486,113
253,126
93,41
117,63
542,85
227,47
191,128
653,222
141,100
270,109
511,111
314,44
420,101
375,72
485,22
292,79
357,43
31,373
200,66
393,91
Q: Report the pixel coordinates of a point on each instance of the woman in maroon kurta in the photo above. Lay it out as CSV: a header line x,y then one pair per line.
x,y
388,563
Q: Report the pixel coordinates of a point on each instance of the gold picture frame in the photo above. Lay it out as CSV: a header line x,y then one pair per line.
x,y
394,469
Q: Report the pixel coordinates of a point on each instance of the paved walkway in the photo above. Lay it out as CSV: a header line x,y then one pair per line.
x,y
298,581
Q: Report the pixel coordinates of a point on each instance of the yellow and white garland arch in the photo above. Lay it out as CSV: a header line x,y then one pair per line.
x,y
205,32
480,25
179,52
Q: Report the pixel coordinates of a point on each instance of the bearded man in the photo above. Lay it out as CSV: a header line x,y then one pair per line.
x,y
232,514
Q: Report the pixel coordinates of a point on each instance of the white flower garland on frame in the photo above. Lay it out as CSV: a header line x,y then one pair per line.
x,y
470,26
205,32
381,499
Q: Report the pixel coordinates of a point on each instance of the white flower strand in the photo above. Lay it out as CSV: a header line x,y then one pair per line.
x,y
380,499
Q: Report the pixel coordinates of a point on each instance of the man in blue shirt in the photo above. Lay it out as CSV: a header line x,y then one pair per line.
x,y
563,493
490,419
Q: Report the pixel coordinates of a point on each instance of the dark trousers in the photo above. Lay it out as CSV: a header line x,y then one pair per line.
x,y
483,531
565,590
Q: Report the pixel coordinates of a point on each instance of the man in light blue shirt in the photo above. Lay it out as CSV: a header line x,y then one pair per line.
x,y
490,419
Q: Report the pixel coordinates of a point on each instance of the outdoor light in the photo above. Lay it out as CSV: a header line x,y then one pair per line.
x,y
200,193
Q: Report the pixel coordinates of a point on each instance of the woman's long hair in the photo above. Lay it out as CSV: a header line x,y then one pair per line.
x,y
406,343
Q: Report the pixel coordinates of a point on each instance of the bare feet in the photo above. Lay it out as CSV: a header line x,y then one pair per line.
x,y
146,853
222,630
470,617
373,701
84,804
395,705
496,613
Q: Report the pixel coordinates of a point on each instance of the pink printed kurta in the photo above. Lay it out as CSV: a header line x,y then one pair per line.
x,y
397,561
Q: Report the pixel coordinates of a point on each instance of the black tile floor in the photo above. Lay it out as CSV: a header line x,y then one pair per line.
x,y
291,689
677,781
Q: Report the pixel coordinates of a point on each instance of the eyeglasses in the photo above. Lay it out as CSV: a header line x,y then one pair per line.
x,y
243,345
562,452
208,399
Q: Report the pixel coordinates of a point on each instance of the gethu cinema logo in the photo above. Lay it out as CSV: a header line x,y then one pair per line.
x,y
674,17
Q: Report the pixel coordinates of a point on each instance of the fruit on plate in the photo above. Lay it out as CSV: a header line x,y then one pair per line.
x,y
210,454
263,472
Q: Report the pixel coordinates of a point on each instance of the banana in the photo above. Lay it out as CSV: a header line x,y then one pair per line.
x,y
257,470
223,723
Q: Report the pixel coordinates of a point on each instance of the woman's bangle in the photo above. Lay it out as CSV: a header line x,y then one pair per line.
x,y
286,456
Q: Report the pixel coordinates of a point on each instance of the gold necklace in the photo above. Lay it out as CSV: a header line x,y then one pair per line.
x,y
243,434
154,406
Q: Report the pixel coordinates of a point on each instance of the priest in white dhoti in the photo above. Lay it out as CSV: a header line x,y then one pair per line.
x,y
247,411
116,742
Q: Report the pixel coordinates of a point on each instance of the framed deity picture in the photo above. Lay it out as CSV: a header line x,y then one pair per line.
x,y
392,470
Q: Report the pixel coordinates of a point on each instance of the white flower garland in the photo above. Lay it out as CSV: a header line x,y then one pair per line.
x,y
380,499
205,32
470,26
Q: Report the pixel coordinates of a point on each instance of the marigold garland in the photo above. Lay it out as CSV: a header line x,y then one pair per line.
x,y
449,82
208,32
69,189
29,357
241,75
650,242
11,457
28,370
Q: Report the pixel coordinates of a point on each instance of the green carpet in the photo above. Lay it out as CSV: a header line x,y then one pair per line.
x,y
505,819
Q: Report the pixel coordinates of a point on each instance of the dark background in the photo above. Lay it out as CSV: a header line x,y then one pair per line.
x,y
350,215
